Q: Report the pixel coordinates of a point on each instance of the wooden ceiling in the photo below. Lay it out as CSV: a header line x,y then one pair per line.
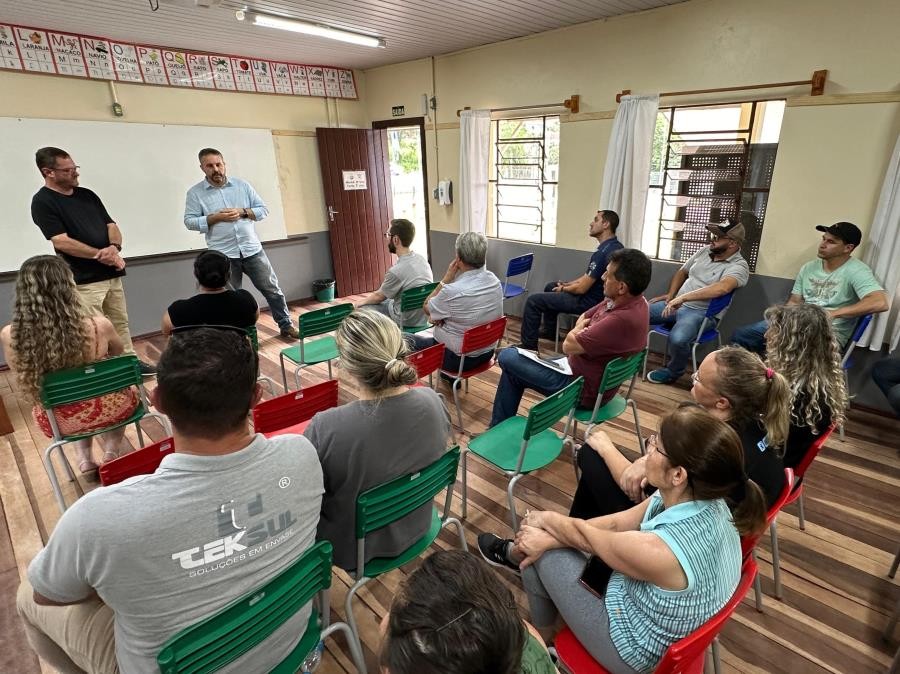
x,y
412,28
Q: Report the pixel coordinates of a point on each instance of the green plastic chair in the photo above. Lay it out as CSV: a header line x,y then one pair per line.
x,y
413,299
253,334
521,445
315,351
82,383
387,503
212,643
617,372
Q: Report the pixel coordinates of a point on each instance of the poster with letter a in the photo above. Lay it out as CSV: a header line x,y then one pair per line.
x,y
67,52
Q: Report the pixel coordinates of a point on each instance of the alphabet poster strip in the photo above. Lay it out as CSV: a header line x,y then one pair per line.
x,y
24,48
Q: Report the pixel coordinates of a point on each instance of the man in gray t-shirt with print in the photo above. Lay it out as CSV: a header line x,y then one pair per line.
x,y
130,565
709,273
410,270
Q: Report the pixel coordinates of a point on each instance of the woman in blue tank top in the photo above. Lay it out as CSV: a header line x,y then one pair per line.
x,y
675,557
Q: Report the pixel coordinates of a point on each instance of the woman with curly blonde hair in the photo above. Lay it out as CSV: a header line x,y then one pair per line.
x,y
800,344
52,330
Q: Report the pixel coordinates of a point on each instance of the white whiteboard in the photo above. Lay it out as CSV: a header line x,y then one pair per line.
x,y
141,172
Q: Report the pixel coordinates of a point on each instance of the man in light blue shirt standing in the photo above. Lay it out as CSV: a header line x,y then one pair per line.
x,y
224,209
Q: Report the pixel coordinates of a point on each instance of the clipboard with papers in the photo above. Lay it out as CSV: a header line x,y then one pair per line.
x,y
560,365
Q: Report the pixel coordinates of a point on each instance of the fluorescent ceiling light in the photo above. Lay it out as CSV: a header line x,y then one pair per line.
x,y
307,28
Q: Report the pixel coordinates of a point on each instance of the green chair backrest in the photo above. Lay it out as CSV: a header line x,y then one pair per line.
x,y
254,337
620,370
552,408
317,322
212,643
90,381
413,298
379,506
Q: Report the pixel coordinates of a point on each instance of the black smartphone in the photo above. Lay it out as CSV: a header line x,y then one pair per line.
x,y
595,576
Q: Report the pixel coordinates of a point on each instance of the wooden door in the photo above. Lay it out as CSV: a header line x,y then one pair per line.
x,y
356,182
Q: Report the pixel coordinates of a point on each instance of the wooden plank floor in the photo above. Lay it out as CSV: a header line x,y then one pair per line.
x,y
837,594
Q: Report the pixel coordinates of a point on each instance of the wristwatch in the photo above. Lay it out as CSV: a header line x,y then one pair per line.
x,y
118,246
244,213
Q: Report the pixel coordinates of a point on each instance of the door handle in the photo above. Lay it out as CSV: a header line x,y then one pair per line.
x,y
332,213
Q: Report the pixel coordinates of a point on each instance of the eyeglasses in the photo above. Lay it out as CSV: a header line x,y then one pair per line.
x,y
653,441
695,378
66,170
388,235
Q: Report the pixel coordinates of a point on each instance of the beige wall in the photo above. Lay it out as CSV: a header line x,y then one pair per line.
x,y
35,96
831,159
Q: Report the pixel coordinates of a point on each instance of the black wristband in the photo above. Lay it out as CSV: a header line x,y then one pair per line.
x,y
118,246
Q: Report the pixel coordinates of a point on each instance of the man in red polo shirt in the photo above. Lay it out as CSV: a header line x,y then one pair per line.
x,y
613,328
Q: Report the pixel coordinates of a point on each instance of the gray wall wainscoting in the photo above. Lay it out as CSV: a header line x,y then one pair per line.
x,y
551,263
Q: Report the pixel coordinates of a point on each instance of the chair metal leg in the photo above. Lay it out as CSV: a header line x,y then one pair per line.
x,y
456,384
352,642
512,501
841,432
465,491
717,662
329,370
776,558
556,335
140,433
694,363
268,383
51,473
297,378
460,532
802,513
574,453
348,606
283,372
637,425
757,587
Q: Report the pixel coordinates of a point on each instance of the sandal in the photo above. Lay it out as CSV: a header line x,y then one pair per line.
x,y
109,456
87,466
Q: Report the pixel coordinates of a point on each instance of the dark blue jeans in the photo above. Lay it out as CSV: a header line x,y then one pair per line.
x,y
546,306
752,337
263,278
886,374
520,373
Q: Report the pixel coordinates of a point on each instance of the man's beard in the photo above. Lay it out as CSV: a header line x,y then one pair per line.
x,y
392,249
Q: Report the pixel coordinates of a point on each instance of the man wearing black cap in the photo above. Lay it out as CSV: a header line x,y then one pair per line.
x,y
845,287
709,273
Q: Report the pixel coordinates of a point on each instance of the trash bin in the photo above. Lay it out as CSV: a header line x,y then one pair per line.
x,y
323,289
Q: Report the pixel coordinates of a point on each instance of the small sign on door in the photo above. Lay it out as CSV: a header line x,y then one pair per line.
x,y
398,111
354,180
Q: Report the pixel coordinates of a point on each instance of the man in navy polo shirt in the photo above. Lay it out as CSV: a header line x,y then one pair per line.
x,y
571,297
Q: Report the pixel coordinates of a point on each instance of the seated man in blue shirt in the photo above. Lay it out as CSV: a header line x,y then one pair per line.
x,y
571,297
224,209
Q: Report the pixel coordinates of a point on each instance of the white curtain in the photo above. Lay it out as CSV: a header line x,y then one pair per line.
x,y
474,146
883,256
627,173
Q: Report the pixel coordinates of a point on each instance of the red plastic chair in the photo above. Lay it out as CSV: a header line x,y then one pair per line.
x,y
748,543
795,495
476,338
291,412
141,461
427,361
683,657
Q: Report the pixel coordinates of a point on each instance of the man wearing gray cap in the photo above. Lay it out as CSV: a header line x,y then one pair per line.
x,y
845,287
709,273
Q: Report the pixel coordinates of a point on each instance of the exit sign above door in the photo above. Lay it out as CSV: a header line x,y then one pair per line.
x,y
398,111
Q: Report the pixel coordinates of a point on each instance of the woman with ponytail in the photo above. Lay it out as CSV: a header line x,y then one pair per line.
x,y
391,430
675,558
735,386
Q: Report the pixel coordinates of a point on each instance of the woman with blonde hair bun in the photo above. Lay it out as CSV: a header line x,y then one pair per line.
x,y
52,330
800,344
391,430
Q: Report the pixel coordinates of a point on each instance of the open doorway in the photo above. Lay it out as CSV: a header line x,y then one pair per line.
x,y
409,178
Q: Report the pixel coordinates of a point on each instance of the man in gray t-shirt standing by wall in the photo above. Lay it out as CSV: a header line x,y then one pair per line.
x,y
130,565
410,270
709,273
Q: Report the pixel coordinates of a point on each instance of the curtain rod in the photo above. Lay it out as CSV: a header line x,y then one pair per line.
x,y
816,82
570,104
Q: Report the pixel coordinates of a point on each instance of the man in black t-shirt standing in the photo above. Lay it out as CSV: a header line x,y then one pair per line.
x,y
75,221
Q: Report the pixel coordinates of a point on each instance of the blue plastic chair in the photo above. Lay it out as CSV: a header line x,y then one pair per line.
x,y
516,267
847,360
709,328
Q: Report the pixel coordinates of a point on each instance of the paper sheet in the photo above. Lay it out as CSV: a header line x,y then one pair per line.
x,y
560,365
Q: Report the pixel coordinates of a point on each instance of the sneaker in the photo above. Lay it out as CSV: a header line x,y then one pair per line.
x,y
147,369
290,333
662,376
527,347
493,549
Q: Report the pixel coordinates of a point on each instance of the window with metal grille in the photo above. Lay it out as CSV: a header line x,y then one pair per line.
x,y
710,163
524,179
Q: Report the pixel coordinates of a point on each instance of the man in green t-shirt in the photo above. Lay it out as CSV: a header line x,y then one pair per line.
x,y
845,287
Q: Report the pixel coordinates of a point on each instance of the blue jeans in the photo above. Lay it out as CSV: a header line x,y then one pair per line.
x,y
520,373
684,326
263,278
547,306
886,374
752,337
